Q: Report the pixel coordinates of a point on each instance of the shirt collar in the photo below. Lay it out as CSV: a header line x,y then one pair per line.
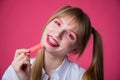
x,y
61,69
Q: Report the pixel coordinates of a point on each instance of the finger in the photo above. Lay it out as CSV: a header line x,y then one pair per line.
x,y
23,56
20,63
19,51
20,57
28,67
26,64
27,58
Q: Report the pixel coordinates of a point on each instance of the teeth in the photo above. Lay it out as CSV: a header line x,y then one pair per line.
x,y
52,41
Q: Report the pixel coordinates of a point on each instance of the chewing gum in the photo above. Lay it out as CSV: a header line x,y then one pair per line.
x,y
34,48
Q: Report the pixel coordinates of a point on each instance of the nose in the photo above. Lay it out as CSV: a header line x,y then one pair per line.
x,y
59,33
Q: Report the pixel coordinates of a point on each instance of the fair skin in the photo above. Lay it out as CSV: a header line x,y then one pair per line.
x,y
60,42
21,59
59,38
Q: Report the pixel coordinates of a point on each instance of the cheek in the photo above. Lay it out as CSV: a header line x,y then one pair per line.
x,y
65,44
49,29
68,45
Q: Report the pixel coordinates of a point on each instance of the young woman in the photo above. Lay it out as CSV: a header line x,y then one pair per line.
x,y
67,31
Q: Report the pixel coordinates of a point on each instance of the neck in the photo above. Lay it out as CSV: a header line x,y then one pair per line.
x,y
51,62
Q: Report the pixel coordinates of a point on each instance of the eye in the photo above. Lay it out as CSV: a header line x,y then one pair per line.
x,y
57,23
70,35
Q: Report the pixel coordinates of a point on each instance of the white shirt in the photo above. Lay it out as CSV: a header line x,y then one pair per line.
x,y
66,71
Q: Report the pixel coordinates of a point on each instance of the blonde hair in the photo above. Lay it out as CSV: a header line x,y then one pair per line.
x,y
95,70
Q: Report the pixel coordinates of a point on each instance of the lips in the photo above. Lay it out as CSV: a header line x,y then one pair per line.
x,y
52,41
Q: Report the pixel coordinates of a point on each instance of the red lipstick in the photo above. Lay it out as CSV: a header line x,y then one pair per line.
x,y
52,43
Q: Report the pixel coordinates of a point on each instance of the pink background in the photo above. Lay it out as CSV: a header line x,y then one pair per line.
x,y
21,22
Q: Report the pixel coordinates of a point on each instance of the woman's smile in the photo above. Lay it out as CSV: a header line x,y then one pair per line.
x,y
52,41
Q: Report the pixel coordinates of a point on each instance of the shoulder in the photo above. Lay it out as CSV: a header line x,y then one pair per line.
x,y
76,71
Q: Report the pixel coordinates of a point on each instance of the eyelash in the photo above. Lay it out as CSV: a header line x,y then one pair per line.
x,y
70,36
58,24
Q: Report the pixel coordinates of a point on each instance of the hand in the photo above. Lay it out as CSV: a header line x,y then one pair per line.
x,y
21,64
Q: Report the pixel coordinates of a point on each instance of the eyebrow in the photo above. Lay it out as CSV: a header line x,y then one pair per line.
x,y
59,20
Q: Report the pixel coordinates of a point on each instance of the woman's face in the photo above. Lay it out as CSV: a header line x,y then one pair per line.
x,y
60,36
